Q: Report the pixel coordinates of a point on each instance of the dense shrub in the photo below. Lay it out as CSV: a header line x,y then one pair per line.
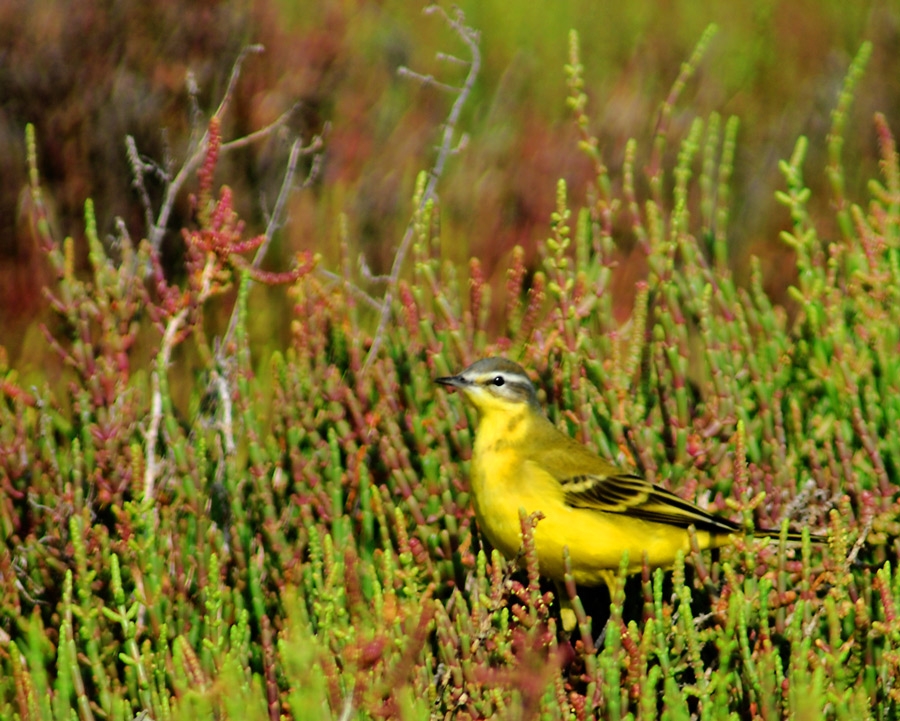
x,y
298,540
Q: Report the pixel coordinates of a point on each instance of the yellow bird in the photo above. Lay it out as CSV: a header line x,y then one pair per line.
x,y
598,510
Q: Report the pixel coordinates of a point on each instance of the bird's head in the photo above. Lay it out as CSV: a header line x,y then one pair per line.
x,y
494,384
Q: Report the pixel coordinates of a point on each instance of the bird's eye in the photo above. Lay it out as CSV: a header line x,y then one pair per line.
x,y
499,381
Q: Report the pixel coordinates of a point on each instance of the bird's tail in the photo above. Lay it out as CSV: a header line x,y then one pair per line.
x,y
789,536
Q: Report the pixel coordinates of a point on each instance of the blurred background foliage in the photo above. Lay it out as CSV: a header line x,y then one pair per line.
x,y
196,560
88,78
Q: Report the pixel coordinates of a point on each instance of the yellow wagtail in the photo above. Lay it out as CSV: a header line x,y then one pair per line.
x,y
598,510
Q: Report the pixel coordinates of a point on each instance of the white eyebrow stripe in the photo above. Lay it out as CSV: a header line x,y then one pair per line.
x,y
516,378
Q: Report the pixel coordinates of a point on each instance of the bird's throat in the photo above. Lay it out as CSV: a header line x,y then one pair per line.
x,y
500,430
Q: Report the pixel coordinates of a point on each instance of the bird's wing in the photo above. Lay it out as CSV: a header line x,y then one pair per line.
x,y
630,494
588,481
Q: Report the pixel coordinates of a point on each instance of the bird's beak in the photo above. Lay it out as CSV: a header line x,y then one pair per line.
x,y
452,381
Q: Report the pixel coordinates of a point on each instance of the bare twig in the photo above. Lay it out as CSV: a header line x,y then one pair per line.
x,y
470,37
861,541
287,184
169,341
355,289
451,59
190,166
265,132
157,229
368,275
227,424
197,126
235,74
429,80
138,168
198,148
156,402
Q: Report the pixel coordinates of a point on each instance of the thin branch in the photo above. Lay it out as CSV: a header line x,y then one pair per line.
x,y
138,168
451,59
429,80
189,168
196,114
156,402
266,131
297,150
157,230
227,423
163,358
368,275
196,155
355,289
470,37
287,184
235,75
861,541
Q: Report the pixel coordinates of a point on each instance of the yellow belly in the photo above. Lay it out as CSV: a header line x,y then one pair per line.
x,y
596,540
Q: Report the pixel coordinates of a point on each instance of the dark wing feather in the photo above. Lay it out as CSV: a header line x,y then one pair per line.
x,y
631,494
589,481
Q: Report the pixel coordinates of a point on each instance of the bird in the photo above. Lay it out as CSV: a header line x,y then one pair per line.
x,y
600,511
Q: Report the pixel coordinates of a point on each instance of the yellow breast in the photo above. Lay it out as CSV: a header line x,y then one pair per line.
x,y
506,475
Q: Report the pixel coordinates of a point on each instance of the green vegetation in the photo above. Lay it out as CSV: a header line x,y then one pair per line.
x,y
296,541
